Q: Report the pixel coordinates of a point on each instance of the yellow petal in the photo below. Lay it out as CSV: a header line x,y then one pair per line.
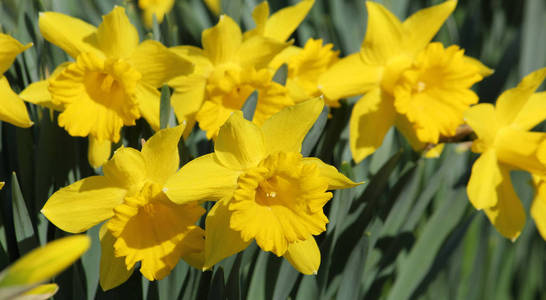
x,y
195,256
336,180
259,15
304,256
126,169
149,99
349,77
507,215
43,291
538,208
160,154
221,42
188,96
157,64
12,108
513,105
284,56
116,36
285,130
384,34
45,262
201,63
113,270
38,93
70,34
532,113
220,240
259,51
423,25
98,152
285,21
484,70
2,184
405,127
240,143
519,149
373,115
9,49
482,119
202,179
484,181
83,204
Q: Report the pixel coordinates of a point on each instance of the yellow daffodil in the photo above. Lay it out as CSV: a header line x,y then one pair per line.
x,y
142,225
112,82
2,184
12,108
506,143
266,190
157,8
305,65
23,277
214,6
420,87
227,70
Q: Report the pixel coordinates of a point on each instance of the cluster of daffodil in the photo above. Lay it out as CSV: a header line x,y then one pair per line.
x,y
263,188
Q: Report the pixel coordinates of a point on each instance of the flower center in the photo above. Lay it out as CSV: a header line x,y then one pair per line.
x,y
155,231
435,90
97,95
111,82
280,202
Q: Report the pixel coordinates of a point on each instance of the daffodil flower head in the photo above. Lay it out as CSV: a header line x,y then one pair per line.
x,y
228,69
305,65
435,91
408,82
12,108
112,82
157,8
265,190
506,143
142,224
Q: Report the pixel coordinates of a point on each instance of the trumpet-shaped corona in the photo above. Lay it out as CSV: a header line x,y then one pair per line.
x,y
435,91
285,194
102,91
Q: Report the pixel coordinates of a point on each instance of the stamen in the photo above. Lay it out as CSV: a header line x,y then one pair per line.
x,y
421,86
107,83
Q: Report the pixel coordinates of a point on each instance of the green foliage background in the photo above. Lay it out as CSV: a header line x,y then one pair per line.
x,y
408,233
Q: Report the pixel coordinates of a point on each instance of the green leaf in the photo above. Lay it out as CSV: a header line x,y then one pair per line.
x,y
165,107
314,134
250,106
416,265
286,280
281,74
24,229
217,288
